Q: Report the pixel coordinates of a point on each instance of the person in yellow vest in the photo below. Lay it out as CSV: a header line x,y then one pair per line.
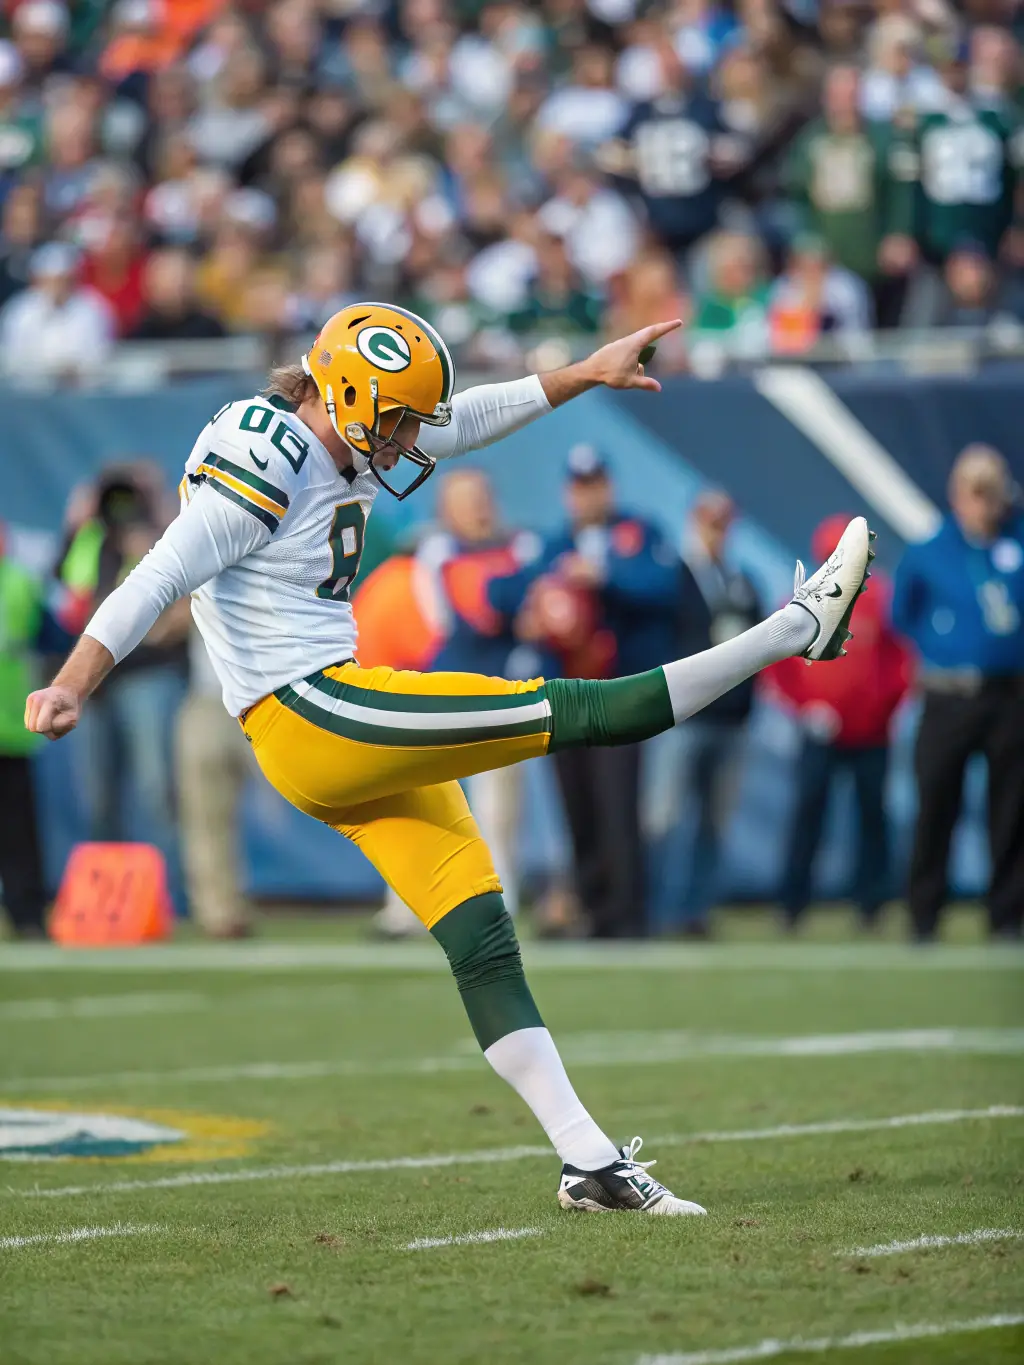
x,y
27,627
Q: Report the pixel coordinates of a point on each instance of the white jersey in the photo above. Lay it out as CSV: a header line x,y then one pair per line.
x,y
269,539
283,610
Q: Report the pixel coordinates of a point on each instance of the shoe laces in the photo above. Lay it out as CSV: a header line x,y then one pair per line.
x,y
638,1169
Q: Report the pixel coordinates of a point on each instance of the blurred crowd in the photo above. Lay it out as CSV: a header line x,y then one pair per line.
x,y
773,171
609,593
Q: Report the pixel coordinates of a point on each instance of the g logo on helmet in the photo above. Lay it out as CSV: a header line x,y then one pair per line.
x,y
385,348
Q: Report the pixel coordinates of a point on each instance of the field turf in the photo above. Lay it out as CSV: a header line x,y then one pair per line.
x,y
823,1099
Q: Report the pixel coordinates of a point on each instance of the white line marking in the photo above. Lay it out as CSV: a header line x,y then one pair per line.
x,y
104,1006
405,957
765,1350
77,1235
962,1239
472,1238
499,1155
806,400
631,1049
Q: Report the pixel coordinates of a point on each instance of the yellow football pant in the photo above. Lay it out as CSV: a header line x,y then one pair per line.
x,y
376,754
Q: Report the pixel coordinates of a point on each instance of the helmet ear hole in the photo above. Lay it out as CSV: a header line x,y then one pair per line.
x,y
350,396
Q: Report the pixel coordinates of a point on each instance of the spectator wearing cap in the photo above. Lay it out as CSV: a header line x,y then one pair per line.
x,y
55,329
844,715
170,311
695,769
959,597
604,595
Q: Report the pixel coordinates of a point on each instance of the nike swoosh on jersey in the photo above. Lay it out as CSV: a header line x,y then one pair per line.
x,y
260,464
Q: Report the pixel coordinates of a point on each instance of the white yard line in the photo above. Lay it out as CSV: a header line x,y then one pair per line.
x,y
500,1155
405,957
473,1238
765,1350
618,1049
77,1235
962,1239
816,410
104,1006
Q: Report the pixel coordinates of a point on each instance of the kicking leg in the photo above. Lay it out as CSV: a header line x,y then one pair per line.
x,y
426,845
345,736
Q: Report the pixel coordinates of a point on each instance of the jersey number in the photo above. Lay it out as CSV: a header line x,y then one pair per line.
x,y
672,158
346,542
962,165
257,419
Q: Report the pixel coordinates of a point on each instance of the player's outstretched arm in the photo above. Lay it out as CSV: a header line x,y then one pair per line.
x,y
616,366
490,412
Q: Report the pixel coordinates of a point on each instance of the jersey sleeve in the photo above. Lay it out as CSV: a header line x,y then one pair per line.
x,y
252,455
483,415
209,534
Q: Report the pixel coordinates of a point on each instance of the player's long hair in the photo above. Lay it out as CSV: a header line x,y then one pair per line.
x,y
291,383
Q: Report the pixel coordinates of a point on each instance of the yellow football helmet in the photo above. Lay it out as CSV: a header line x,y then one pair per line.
x,y
373,358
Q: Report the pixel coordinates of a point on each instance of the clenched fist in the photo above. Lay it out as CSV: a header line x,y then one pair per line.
x,y
52,711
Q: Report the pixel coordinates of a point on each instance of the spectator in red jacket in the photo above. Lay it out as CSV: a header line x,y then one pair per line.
x,y
845,715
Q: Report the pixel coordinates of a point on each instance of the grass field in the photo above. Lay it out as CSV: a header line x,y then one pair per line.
x,y
823,1100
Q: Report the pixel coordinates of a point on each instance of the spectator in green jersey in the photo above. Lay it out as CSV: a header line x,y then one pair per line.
x,y
965,176
839,175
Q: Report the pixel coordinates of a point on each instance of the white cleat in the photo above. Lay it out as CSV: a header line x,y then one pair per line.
x,y
831,593
624,1185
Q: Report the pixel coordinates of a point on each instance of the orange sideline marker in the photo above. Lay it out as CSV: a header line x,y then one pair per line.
x,y
112,894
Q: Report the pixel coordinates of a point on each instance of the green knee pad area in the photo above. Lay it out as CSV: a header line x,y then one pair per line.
x,y
613,711
479,940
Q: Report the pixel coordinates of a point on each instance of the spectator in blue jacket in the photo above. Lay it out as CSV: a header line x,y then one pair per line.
x,y
615,579
959,598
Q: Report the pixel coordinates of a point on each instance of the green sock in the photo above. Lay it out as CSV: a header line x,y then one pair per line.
x,y
585,711
480,942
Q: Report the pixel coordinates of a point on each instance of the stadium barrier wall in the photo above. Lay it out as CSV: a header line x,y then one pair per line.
x,y
663,451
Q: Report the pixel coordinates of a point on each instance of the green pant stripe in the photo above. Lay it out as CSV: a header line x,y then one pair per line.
x,y
268,519
410,703
236,471
364,733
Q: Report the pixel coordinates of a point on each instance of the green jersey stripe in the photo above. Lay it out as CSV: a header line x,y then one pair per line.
x,y
268,520
245,476
419,702
363,733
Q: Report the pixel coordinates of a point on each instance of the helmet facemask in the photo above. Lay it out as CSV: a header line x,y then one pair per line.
x,y
367,443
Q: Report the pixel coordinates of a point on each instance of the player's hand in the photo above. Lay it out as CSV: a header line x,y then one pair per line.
x,y
52,711
617,365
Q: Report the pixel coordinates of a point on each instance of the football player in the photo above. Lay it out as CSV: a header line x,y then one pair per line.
x,y
274,499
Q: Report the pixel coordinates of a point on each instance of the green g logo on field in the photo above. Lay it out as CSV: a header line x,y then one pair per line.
x,y
385,348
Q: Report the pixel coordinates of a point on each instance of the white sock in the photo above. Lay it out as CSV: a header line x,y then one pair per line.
x,y
529,1061
695,682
